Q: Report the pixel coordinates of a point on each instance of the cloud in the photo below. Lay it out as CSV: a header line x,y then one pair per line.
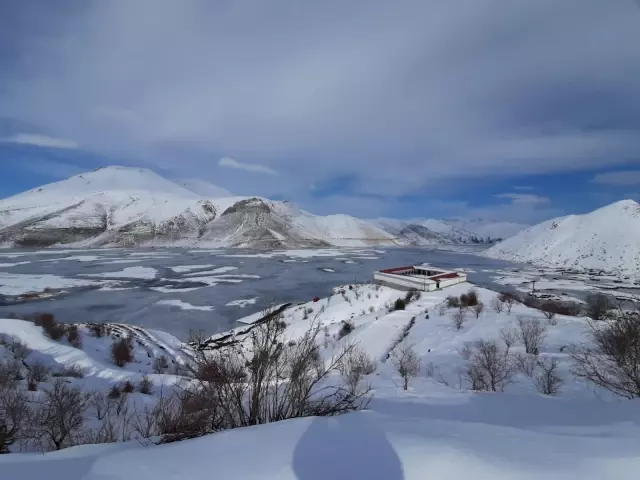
x,y
619,179
37,140
402,95
524,198
249,167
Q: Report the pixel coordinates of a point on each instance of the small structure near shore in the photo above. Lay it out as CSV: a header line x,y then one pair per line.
x,y
422,278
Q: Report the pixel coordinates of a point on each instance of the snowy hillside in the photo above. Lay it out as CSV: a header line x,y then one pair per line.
x,y
605,239
124,206
437,428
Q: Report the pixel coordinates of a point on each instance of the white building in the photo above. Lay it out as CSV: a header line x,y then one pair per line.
x,y
423,278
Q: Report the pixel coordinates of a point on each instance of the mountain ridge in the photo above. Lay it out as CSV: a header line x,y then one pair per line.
x,y
131,206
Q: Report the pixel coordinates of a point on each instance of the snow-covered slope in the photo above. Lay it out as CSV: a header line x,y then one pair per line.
x,y
605,239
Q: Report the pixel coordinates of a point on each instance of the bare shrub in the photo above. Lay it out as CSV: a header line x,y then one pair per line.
x,y
399,304
127,387
19,349
532,333
51,328
74,337
612,361
509,337
145,386
267,380
346,327
459,318
497,304
38,372
160,364
407,362
477,309
72,371
197,339
597,306
548,382
354,365
371,309
490,367
59,418
469,299
97,330
9,373
121,352
453,302
114,392
442,308
14,416
525,363
551,308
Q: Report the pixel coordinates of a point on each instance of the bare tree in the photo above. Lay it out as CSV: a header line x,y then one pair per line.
x,y
525,363
9,373
612,360
532,333
74,336
407,362
490,367
509,337
121,352
459,318
548,382
160,364
38,372
59,418
19,349
197,339
477,309
497,304
14,414
598,305
354,365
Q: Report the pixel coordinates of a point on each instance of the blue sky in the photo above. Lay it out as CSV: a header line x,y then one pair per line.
x,y
515,111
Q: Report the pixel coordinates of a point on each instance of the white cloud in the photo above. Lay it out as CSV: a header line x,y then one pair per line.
x,y
525,198
249,167
401,95
37,140
620,178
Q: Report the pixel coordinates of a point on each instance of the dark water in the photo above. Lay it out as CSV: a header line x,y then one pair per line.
x,y
279,282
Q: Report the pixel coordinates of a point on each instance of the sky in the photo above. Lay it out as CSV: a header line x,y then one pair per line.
x,y
517,111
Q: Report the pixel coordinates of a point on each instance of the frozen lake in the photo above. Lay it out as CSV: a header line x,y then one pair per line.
x,y
179,289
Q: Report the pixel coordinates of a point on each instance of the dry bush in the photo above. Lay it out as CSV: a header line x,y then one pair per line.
x,y
74,337
551,308
412,295
509,336
453,302
127,387
51,328
598,305
399,304
97,330
477,309
19,349
458,318
14,416
9,373
466,351
146,386
354,365
72,371
508,299
160,364
469,299
525,363
612,360
114,392
532,333
267,381
490,367
121,352
346,327
548,382
407,362
38,372
497,304
59,417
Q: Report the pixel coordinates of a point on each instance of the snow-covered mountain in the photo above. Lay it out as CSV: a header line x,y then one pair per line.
x,y
605,239
448,231
126,206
